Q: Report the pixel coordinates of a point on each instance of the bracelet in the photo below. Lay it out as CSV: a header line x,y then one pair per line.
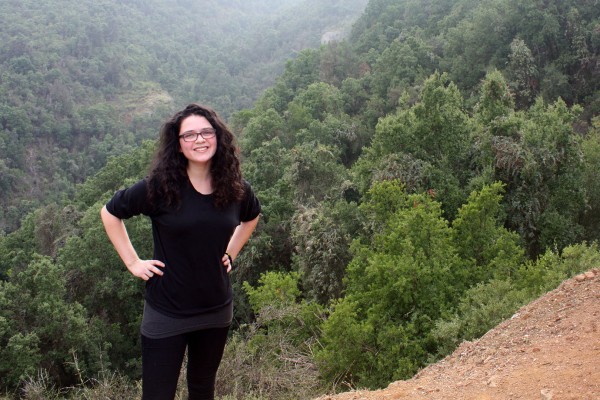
x,y
230,260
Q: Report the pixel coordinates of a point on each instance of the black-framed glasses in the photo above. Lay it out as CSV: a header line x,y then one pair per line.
x,y
192,136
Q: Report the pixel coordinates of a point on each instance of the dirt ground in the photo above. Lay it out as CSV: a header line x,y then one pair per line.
x,y
549,350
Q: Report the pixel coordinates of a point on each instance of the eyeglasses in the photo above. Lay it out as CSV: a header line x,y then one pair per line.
x,y
192,136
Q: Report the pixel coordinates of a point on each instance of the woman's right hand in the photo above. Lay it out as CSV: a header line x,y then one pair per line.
x,y
146,269
115,229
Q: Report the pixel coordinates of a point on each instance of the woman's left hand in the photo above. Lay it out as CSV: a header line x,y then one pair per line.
x,y
227,262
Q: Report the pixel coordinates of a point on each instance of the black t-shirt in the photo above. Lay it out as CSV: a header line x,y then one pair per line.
x,y
191,240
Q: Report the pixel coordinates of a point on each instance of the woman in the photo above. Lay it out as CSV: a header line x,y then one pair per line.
x,y
202,214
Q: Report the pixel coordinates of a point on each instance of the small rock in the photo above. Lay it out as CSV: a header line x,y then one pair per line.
x,y
580,278
547,394
493,381
590,275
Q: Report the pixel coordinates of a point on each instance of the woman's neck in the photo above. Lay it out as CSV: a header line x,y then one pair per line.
x,y
200,177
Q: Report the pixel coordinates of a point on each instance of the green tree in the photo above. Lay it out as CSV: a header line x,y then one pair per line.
x,y
40,327
548,195
354,95
522,73
302,71
262,128
321,236
485,305
397,284
481,241
481,308
320,99
405,62
111,177
18,248
112,297
267,169
431,137
495,100
277,290
539,157
316,173
469,43
338,61
591,166
536,277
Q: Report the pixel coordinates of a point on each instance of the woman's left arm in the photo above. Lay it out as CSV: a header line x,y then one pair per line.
x,y
239,238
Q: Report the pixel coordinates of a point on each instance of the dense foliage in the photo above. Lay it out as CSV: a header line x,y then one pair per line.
x,y
82,81
419,181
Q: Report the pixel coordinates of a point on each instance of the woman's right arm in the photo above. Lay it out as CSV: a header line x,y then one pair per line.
x,y
115,229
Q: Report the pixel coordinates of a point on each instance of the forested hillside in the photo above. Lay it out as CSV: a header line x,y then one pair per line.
x,y
80,81
420,181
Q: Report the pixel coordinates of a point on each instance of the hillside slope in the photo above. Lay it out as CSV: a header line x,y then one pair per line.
x,y
550,349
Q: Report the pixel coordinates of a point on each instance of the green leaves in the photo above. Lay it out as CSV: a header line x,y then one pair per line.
x,y
20,358
321,237
548,190
401,277
481,239
39,326
277,289
260,129
426,145
410,268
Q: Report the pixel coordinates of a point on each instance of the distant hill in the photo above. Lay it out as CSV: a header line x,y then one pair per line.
x,y
81,81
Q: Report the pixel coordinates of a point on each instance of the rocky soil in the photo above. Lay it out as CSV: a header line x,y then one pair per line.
x,y
549,350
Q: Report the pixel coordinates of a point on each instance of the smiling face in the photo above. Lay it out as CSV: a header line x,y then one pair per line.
x,y
201,150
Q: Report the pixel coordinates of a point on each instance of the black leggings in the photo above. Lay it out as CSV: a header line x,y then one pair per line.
x,y
162,359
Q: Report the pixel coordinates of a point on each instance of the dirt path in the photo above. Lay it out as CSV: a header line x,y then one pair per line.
x,y
549,350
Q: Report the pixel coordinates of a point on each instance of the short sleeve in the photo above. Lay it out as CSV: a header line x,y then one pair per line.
x,y
250,206
130,202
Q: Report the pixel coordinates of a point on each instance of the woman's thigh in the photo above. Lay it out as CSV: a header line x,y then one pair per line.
x,y
205,350
161,364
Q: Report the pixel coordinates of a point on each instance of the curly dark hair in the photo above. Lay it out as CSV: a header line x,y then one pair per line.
x,y
169,168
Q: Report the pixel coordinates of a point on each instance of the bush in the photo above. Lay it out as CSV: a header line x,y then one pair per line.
x,y
481,308
273,356
537,277
487,304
